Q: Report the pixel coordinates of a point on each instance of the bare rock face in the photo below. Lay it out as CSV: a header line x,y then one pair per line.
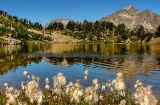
x,y
63,21
148,19
131,17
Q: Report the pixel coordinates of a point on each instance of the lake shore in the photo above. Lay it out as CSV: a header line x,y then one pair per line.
x,y
59,37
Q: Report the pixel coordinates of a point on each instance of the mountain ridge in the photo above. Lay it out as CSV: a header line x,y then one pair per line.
x,y
132,17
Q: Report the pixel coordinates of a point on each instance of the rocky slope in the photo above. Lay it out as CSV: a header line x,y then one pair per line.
x,y
132,17
58,37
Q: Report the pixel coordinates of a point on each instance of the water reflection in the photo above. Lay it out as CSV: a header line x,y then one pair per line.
x,y
106,49
135,61
64,62
11,60
129,65
131,59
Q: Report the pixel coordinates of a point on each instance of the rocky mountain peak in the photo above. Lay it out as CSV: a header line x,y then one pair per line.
x,y
129,7
131,17
63,21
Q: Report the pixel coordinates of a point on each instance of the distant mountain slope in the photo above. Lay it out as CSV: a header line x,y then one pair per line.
x,y
131,17
64,21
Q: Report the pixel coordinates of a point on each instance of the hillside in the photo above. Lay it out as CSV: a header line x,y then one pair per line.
x,y
16,31
132,18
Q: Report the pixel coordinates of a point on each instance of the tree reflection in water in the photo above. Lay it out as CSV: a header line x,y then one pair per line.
x,y
130,66
133,60
11,59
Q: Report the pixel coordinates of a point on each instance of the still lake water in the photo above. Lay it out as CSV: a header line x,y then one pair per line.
x,y
103,61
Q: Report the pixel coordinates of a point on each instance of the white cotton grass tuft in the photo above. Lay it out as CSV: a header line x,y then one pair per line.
x,y
85,74
143,95
55,81
33,92
85,77
77,86
103,87
59,80
26,74
57,90
75,92
95,84
91,95
46,80
12,94
76,95
138,84
119,85
23,85
95,81
70,84
47,84
6,85
69,88
123,102
119,75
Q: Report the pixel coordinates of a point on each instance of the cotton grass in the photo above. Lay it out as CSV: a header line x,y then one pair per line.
x,y
112,92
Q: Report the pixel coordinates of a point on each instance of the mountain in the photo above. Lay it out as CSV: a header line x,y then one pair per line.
x,y
64,21
132,18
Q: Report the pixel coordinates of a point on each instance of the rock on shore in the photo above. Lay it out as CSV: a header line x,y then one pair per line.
x,y
10,41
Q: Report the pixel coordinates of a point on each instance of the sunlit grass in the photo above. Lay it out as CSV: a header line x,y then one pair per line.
x,y
111,93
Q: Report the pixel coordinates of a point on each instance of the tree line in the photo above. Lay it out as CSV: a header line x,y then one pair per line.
x,y
24,21
101,30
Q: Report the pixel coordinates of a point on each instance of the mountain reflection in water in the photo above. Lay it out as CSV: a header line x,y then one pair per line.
x,y
129,65
135,61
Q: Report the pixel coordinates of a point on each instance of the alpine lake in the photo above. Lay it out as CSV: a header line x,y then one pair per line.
x,y
103,61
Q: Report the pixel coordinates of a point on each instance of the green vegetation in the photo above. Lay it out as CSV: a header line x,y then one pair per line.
x,y
55,26
157,33
1,40
21,29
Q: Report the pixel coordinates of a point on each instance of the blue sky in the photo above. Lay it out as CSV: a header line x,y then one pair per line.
x,y
44,11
